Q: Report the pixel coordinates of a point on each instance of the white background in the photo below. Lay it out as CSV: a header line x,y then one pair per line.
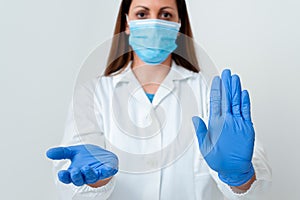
x,y
43,44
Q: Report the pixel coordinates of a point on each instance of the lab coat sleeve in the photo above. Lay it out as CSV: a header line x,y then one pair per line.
x,y
260,188
84,124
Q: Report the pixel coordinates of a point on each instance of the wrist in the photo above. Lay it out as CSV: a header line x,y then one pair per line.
x,y
243,188
100,183
237,179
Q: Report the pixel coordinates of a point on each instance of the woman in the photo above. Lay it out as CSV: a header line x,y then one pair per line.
x,y
157,158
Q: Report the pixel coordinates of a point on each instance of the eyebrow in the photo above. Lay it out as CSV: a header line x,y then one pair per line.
x,y
165,7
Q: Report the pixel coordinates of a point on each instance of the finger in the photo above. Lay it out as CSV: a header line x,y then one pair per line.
x,y
200,128
246,113
107,172
226,91
236,95
59,153
64,176
215,97
203,136
89,174
76,177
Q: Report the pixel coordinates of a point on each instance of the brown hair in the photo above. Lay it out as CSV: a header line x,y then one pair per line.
x,y
121,53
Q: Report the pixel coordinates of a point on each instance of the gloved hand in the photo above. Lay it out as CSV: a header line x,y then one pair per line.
x,y
89,163
227,145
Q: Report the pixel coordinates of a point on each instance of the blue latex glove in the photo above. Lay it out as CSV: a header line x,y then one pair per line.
x,y
89,163
227,145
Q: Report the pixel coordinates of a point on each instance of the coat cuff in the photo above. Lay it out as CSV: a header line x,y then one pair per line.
x,y
103,189
258,189
85,192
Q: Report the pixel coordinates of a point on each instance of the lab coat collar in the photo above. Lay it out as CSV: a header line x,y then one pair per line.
x,y
176,73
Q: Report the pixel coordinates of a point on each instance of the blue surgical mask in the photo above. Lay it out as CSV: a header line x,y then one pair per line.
x,y
153,40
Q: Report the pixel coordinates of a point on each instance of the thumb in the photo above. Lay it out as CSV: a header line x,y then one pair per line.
x,y
200,129
59,153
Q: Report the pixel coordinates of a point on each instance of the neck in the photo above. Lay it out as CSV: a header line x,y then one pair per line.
x,y
150,76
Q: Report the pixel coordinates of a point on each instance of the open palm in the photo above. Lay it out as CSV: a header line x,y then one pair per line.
x,y
227,145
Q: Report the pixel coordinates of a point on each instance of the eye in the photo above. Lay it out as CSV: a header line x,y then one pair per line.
x,y
141,15
166,15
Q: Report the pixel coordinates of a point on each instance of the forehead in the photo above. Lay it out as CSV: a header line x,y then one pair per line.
x,y
154,4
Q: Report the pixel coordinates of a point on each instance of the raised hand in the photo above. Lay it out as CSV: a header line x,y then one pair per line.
x,y
227,144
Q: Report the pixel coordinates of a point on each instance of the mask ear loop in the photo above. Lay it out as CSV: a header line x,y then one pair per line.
x,y
127,19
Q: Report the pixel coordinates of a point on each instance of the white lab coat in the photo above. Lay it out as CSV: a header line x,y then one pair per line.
x,y
187,177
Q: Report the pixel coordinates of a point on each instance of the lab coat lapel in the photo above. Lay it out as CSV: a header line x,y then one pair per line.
x,y
166,87
137,90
